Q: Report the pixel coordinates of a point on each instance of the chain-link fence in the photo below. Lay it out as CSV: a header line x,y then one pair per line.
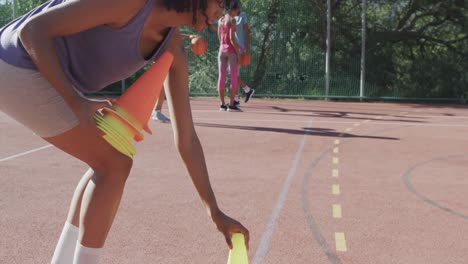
x,y
413,49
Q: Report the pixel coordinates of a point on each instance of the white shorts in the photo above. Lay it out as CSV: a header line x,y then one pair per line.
x,y
27,97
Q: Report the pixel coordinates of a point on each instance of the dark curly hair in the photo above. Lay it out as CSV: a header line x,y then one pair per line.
x,y
181,6
233,5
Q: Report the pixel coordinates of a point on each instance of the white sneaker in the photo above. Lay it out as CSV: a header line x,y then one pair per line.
x,y
158,116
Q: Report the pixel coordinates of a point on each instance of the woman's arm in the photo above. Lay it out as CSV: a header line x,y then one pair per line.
x,y
186,139
232,34
213,28
219,31
187,142
67,18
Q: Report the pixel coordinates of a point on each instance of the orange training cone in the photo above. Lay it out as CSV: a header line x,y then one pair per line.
x,y
140,98
133,109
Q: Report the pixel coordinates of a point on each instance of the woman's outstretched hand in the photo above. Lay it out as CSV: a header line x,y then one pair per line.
x,y
229,226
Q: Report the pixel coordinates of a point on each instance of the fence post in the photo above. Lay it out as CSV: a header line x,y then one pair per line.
x,y
363,49
122,86
14,9
327,58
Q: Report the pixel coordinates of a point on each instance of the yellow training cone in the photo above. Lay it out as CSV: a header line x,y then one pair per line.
x,y
116,134
238,253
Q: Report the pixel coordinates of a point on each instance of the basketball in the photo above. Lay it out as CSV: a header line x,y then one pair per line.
x,y
245,59
199,45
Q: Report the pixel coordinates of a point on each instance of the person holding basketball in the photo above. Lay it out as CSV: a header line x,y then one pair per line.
x,y
229,52
62,49
243,40
157,114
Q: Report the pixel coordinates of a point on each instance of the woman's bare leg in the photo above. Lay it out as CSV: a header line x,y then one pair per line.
x,y
241,83
74,211
222,65
102,186
160,101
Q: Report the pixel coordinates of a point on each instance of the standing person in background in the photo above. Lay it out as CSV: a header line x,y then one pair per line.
x,y
157,114
243,40
61,49
229,52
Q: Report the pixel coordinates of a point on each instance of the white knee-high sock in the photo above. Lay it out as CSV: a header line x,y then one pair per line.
x,y
65,249
86,255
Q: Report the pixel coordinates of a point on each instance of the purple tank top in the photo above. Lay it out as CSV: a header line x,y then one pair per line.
x,y
91,59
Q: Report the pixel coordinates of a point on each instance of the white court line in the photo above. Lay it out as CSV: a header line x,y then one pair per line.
x,y
409,115
25,153
266,237
328,122
437,116
266,120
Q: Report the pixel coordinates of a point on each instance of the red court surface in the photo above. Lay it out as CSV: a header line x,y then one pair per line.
x,y
314,181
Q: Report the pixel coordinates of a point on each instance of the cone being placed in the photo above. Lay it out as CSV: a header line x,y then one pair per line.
x,y
238,253
132,111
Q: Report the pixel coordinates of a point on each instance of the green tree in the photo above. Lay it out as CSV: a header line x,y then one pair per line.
x,y
22,7
416,48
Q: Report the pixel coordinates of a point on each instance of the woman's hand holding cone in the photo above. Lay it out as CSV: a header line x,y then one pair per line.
x,y
229,226
86,108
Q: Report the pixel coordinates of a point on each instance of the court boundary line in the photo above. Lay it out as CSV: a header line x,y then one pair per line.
x,y
349,114
262,248
410,187
313,226
374,122
25,153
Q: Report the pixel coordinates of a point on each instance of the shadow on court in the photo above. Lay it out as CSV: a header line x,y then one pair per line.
x,y
321,132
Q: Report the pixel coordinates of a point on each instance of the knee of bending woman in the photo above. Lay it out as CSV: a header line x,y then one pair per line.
x,y
115,165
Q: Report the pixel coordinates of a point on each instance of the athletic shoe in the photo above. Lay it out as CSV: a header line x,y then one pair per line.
x,y
236,103
233,108
249,95
223,107
158,116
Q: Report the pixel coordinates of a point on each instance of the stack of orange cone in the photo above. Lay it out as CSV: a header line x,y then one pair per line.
x,y
132,111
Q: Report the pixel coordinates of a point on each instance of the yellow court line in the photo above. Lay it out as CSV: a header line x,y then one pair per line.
x,y
335,172
336,189
335,160
337,141
357,124
348,129
340,242
337,211
335,150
